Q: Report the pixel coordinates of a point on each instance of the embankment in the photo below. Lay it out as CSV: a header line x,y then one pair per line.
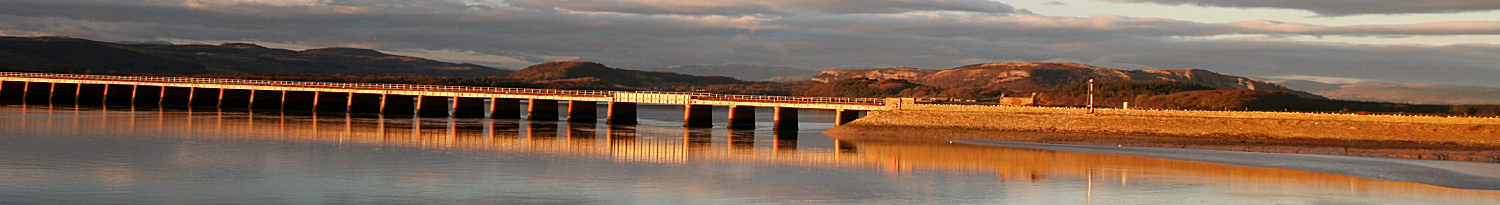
x,y
957,121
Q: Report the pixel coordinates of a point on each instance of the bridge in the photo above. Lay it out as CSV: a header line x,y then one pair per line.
x,y
419,100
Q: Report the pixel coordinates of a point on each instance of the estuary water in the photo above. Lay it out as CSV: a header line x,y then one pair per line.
x,y
142,155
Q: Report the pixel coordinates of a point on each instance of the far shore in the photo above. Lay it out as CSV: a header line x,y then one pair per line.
x,y
1416,137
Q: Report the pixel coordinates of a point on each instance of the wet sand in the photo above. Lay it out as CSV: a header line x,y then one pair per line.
x,y
1367,148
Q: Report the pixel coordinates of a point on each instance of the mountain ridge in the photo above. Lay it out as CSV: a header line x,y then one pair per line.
x,y
1425,93
1035,76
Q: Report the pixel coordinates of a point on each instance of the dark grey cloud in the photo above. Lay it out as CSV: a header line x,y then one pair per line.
x,y
1065,29
926,39
765,7
1345,7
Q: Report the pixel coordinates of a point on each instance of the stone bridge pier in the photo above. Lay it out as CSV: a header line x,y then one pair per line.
x,y
741,117
365,103
147,95
432,106
698,116
468,107
298,101
205,97
583,112
119,94
266,99
91,94
334,102
175,96
541,110
64,93
621,113
398,105
12,92
502,108
235,98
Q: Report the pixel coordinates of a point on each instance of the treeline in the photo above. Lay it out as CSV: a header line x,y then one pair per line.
x,y
1475,110
786,89
1114,93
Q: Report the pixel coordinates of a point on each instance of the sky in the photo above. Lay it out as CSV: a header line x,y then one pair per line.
x,y
1335,41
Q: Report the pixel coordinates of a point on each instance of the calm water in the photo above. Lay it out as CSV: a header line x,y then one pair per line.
x,y
69,155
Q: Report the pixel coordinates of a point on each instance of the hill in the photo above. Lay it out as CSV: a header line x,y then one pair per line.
x,y
588,71
861,87
52,54
1026,76
1425,93
743,72
78,55
1416,93
1114,93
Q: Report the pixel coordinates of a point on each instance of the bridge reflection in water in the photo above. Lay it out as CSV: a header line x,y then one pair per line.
x,y
621,143
1105,175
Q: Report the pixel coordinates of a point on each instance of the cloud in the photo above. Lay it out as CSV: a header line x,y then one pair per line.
x,y
1433,28
765,7
925,37
1054,3
1104,26
1345,7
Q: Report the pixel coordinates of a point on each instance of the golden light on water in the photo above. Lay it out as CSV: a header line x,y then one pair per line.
x,y
1103,175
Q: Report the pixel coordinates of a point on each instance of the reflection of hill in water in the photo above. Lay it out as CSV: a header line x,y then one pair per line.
x,y
673,145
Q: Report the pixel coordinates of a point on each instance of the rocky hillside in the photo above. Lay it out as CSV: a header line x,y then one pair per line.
x,y
588,71
1021,76
52,54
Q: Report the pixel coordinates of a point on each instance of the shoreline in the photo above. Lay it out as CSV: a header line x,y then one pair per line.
x,y
1432,138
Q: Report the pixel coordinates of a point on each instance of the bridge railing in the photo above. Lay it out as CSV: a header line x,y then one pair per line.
x,y
382,86
792,99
